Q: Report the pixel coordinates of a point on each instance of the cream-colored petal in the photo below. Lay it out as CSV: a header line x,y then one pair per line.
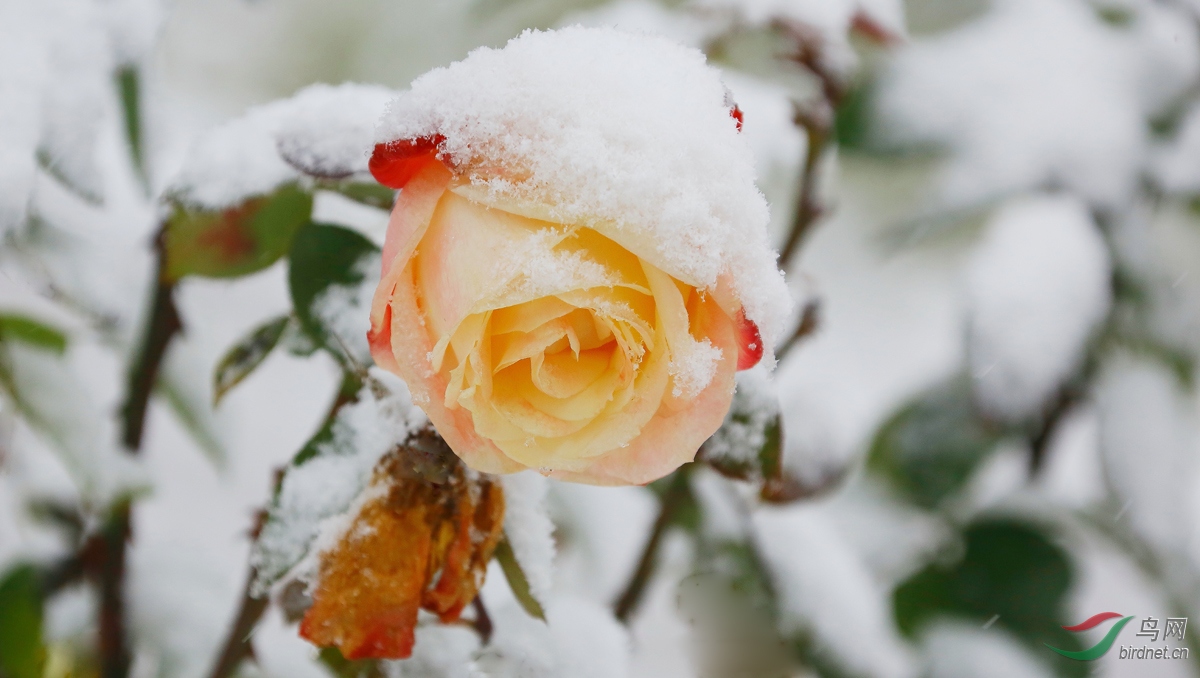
x,y
619,423
562,374
466,254
410,343
671,439
590,401
529,316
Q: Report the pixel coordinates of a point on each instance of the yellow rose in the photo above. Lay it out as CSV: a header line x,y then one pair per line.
x,y
534,330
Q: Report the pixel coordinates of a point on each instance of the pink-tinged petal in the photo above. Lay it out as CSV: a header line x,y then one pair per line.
x,y
410,217
412,345
399,337
470,253
671,439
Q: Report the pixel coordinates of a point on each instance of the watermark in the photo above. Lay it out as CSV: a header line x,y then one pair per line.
x,y
1173,627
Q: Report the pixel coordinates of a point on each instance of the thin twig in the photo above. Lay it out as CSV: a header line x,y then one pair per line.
x,y
237,646
1039,443
115,657
817,126
674,498
817,119
810,319
161,327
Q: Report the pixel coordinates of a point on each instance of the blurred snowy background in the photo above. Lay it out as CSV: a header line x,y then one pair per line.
x,y
992,212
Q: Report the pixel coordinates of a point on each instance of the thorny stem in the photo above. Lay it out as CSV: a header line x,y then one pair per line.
x,y
817,119
807,211
161,327
810,319
674,498
237,644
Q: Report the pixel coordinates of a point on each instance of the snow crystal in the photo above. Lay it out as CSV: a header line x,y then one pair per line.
x,y
529,530
332,129
1037,286
345,310
316,493
323,129
744,431
626,134
692,367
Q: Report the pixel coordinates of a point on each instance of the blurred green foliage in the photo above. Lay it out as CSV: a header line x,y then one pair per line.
x,y
930,447
1010,574
236,241
22,654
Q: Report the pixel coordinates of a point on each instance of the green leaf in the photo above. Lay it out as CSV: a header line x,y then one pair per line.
x,y
1008,568
29,331
516,579
852,124
929,448
325,257
236,241
128,85
246,355
22,654
372,194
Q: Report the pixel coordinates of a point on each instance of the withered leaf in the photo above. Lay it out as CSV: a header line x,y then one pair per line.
x,y
421,541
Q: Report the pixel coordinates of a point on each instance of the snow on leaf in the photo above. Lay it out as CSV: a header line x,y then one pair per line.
x,y
331,472
323,130
1037,285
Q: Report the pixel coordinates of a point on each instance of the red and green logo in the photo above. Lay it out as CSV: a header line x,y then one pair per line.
x,y
1096,651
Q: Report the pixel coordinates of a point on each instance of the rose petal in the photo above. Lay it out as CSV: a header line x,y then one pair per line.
x,y
671,439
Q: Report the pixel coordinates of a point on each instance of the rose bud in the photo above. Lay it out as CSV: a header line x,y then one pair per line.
x,y
577,262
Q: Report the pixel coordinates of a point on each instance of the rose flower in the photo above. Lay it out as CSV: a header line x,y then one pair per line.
x,y
577,262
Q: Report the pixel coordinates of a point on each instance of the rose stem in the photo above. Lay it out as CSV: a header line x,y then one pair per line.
x,y
237,645
161,327
817,119
672,500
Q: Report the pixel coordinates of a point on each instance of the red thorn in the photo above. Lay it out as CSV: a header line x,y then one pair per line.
x,y
750,343
395,162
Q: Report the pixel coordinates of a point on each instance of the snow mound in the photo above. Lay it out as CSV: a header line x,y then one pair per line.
x,y
628,134
1037,287
323,130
